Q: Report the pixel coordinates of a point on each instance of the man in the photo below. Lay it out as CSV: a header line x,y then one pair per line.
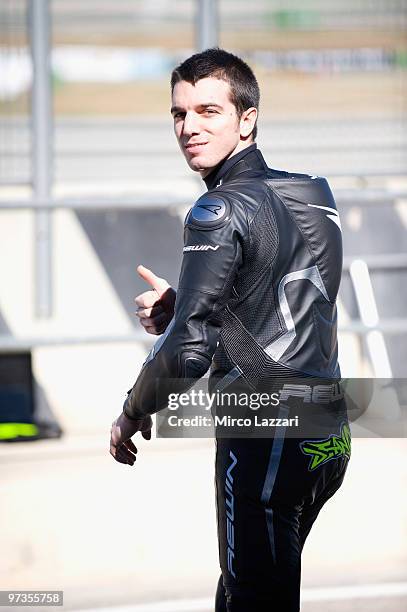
x,y
255,301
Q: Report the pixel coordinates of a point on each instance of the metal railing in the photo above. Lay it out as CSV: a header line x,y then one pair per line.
x,y
154,201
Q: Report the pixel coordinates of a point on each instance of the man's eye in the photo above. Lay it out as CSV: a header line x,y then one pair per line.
x,y
179,115
210,111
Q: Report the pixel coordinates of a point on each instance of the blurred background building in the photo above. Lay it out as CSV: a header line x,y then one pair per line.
x,y
92,184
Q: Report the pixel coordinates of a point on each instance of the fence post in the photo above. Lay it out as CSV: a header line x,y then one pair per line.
x,y
207,24
42,151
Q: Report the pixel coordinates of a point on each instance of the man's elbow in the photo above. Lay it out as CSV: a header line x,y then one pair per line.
x,y
193,364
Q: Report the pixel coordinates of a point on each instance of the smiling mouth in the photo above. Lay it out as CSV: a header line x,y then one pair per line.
x,y
195,148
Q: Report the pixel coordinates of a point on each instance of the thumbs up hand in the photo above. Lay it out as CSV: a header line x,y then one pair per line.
x,y
155,307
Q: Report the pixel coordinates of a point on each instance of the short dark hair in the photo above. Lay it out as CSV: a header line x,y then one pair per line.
x,y
221,64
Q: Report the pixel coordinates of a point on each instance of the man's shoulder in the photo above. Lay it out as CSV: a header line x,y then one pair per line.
x,y
210,211
252,189
242,189
272,174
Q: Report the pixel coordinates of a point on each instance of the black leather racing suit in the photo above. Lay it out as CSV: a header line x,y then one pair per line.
x,y
256,300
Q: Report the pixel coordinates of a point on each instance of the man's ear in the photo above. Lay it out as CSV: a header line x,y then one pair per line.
x,y
248,121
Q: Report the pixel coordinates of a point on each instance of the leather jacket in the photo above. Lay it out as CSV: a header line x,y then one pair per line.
x,y
258,284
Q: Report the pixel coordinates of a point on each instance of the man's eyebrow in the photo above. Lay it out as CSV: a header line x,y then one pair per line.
x,y
176,109
210,104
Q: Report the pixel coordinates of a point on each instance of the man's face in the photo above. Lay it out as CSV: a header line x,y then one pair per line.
x,y
205,123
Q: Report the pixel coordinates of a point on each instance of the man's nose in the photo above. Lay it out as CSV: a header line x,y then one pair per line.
x,y
191,124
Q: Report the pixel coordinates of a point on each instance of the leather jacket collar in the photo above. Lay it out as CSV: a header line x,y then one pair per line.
x,y
248,159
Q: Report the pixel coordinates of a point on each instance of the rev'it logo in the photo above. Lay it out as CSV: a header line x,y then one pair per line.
x,y
212,208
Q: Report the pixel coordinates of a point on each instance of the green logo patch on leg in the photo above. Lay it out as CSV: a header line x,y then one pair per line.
x,y
333,447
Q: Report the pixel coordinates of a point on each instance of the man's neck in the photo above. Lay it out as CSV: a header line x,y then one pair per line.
x,y
222,168
241,145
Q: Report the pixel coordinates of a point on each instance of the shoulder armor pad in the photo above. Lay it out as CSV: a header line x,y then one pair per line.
x,y
210,211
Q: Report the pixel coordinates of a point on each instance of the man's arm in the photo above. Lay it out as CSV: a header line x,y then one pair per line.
x,y
212,256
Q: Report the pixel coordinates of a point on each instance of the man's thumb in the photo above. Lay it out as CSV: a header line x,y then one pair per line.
x,y
159,284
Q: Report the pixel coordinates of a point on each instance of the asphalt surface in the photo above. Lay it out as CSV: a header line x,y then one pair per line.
x,y
111,535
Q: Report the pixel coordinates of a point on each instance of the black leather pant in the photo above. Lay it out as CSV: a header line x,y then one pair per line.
x,y
268,498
